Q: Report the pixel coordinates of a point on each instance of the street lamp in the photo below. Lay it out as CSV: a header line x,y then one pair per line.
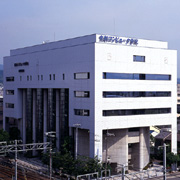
x,y
50,135
76,145
164,160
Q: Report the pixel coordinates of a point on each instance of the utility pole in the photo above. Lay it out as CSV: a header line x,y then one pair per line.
x,y
76,143
15,148
50,163
164,161
50,135
15,159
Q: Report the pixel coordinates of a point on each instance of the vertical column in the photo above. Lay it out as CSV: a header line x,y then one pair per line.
x,y
34,119
57,121
143,147
45,115
24,117
34,115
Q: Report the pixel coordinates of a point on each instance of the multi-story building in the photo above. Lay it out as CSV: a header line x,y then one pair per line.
x,y
112,88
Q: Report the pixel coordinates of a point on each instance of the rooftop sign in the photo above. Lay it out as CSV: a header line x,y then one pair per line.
x,y
115,39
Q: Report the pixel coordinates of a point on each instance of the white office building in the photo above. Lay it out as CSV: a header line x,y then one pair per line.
x,y
113,88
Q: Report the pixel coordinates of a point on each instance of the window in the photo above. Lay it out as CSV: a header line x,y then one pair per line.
x,y
41,77
126,94
178,95
20,78
81,94
38,77
10,78
178,101
9,92
136,76
21,70
84,75
63,76
30,78
81,112
53,76
50,77
128,112
9,105
27,78
139,58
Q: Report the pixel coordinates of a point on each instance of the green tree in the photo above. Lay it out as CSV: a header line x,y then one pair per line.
x,y
4,136
172,158
14,133
65,160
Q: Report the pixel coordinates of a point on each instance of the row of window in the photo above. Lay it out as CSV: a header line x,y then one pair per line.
x,y
128,112
136,76
85,75
117,94
122,94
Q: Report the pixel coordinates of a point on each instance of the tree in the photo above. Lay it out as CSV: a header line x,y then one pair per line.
x,y
65,160
4,136
172,158
14,133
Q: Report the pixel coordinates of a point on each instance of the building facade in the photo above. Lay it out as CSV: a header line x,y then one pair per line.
x,y
113,88
178,101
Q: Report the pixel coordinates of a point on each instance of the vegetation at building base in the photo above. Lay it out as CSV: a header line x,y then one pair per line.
x,y
66,162
171,158
4,136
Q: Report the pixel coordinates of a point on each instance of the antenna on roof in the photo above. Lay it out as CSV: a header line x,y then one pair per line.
x,y
54,36
46,41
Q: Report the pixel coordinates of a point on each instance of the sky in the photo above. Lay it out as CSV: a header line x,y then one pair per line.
x,y
30,22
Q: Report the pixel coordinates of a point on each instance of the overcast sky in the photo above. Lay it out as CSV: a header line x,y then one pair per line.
x,y
29,22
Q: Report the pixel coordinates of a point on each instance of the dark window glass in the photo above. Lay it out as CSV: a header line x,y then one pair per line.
x,y
128,112
139,58
10,78
63,76
50,77
10,92
136,76
81,112
133,129
21,70
53,76
9,105
41,77
81,94
122,94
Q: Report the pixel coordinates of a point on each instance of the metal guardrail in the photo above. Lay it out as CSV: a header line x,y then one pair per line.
x,y
141,175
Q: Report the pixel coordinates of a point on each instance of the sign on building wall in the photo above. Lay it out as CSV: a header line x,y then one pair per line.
x,y
115,39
